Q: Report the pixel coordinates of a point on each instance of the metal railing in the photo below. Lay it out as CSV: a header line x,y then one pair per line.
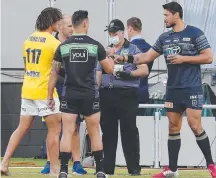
x,y
157,116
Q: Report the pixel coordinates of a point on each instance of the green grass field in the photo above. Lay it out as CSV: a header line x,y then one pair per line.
x,y
30,168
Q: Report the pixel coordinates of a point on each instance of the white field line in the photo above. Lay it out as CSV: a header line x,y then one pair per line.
x,y
199,170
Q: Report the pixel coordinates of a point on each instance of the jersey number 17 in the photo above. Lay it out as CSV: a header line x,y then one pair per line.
x,y
35,55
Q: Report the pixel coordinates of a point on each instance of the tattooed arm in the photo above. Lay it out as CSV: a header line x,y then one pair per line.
x,y
53,78
56,65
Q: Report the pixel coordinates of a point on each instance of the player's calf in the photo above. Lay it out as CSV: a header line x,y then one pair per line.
x,y
93,127
15,139
69,122
54,127
194,121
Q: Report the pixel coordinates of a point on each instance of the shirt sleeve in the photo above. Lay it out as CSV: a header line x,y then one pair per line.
x,y
99,67
58,56
158,46
101,52
201,41
136,50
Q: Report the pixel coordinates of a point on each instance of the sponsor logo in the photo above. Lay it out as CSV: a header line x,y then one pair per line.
x,y
111,25
176,40
96,105
200,96
193,97
186,39
24,109
78,55
172,50
64,105
78,38
43,109
33,74
168,105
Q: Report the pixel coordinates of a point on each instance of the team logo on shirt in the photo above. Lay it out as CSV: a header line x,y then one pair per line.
x,y
78,55
173,50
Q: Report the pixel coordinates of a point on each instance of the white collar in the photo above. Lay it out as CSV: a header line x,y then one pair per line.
x,y
136,37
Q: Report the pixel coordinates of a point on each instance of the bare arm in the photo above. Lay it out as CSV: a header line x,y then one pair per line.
x,y
99,78
141,58
205,57
53,78
108,65
145,58
141,71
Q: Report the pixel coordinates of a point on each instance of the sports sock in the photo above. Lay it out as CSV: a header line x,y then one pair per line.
x,y
174,144
65,156
98,155
203,142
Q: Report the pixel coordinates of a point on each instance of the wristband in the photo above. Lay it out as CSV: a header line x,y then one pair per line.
x,y
130,59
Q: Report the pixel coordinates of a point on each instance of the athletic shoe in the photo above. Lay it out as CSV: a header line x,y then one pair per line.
x,y
166,173
212,170
78,169
136,173
101,175
46,169
62,175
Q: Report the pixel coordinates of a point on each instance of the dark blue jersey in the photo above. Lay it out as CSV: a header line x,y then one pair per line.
x,y
189,42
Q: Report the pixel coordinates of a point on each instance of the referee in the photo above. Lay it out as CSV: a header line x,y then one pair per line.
x,y
119,101
79,55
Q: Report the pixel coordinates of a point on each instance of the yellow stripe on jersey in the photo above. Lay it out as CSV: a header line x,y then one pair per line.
x,y
38,53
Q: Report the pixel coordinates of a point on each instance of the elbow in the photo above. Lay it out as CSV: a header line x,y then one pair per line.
x,y
147,72
209,59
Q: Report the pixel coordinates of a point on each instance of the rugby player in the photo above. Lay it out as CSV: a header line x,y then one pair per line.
x,y
185,48
79,55
38,53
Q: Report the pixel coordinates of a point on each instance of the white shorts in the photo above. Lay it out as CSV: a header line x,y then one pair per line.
x,y
38,107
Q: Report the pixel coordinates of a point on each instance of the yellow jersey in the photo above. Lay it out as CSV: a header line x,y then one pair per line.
x,y
38,53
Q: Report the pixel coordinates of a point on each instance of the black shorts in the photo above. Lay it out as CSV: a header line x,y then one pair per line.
x,y
85,106
178,100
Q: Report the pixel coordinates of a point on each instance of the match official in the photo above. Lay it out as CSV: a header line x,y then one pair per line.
x,y
119,101
79,55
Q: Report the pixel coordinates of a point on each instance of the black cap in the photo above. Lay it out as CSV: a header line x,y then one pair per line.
x,y
115,25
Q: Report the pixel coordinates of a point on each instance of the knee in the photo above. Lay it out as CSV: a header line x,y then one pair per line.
x,y
174,128
196,128
23,128
76,133
54,130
